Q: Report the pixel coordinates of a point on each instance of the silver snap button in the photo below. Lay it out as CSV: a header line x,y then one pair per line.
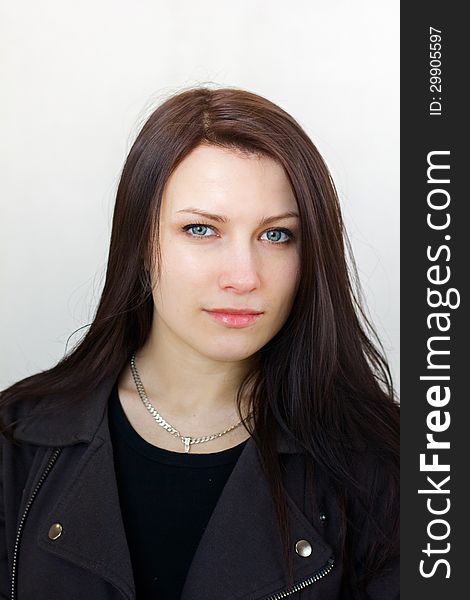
x,y
55,531
303,548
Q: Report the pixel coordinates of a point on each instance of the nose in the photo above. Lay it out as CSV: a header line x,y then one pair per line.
x,y
239,269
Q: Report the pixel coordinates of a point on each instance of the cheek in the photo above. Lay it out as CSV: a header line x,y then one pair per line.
x,y
285,274
179,258
183,272
284,288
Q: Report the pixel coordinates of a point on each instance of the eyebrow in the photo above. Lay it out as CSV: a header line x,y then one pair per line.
x,y
222,219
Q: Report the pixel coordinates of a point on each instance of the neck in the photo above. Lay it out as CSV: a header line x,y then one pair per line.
x,y
185,385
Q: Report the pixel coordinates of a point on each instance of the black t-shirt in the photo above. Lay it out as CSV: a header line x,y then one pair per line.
x,y
166,501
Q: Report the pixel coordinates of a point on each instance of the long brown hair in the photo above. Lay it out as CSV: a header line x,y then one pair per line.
x,y
321,378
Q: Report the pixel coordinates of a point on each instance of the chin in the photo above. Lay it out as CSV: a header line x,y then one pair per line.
x,y
228,353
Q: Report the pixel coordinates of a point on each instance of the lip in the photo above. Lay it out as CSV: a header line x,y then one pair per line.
x,y
238,319
235,311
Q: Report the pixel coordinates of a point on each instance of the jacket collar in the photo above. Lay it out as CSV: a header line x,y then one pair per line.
x,y
79,422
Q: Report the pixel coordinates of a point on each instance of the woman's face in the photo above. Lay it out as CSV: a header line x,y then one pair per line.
x,y
230,260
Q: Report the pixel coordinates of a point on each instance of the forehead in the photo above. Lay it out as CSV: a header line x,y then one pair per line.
x,y
215,178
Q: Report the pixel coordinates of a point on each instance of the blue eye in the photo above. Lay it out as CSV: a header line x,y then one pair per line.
x,y
197,226
277,232
199,230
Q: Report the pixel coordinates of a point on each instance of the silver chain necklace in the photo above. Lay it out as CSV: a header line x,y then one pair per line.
x,y
186,440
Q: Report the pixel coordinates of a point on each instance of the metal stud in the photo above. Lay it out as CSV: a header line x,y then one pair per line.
x,y
55,531
303,548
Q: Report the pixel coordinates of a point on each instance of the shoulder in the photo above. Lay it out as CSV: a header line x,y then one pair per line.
x,y
19,412
374,498
366,511
66,417
377,522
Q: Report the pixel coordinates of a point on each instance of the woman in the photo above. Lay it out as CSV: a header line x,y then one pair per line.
x,y
226,428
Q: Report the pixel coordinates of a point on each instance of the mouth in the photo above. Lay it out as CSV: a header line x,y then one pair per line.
x,y
237,319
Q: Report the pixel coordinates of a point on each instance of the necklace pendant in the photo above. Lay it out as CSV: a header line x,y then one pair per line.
x,y
185,441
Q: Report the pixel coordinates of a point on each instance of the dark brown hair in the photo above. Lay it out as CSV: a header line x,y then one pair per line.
x,y
321,378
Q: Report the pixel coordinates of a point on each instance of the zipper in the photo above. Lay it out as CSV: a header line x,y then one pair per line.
x,y
45,473
305,582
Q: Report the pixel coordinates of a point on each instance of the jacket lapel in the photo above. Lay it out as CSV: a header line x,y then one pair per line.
x,y
87,507
240,554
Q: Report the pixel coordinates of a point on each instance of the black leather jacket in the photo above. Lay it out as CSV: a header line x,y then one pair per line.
x,y
62,535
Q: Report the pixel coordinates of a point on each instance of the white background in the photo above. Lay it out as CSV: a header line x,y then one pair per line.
x,y
79,79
